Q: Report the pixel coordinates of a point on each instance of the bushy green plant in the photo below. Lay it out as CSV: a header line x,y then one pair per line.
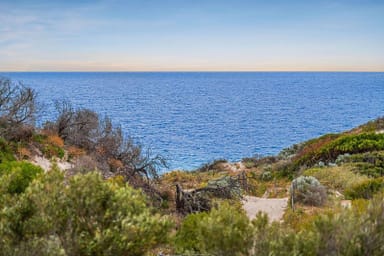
x,y
6,153
365,189
370,163
222,231
308,190
84,215
327,148
18,175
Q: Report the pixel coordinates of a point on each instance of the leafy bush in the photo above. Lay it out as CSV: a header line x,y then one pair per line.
x,y
366,189
370,163
353,143
327,148
6,153
84,215
308,190
18,175
222,231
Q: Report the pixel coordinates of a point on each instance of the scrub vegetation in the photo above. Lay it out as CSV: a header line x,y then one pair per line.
x,y
113,201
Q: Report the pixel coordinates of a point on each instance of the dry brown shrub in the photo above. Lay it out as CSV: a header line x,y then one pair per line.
x,y
115,164
55,140
75,152
312,148
24,153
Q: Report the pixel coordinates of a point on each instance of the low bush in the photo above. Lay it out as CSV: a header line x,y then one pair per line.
x,y
338,178
266,176
366,189
308,190
83,215
327,148
18,175
222,231
6,153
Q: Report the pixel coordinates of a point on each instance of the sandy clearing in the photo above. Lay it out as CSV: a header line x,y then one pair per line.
x,y
46,164
273,207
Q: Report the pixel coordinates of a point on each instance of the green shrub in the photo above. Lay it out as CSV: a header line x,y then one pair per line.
x,y
52,150
327,148
370,163
222,231
6,153
365,189
18,175
308,190
83,215
351,144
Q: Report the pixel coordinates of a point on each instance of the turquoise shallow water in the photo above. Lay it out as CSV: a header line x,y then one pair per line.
x,y
193,117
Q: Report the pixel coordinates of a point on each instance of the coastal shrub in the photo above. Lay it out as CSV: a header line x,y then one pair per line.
x,y
373,126
338,178
308,190
258,160
6,153
307,155
266,176
83,128
288,153
84,215
352,144
328,147
365,189
18,175
222,231
215,166
370,163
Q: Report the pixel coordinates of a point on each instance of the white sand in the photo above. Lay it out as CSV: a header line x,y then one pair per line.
x,y
46,164
273,207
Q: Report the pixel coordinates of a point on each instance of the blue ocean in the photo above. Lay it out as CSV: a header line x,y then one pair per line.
x,y
195,117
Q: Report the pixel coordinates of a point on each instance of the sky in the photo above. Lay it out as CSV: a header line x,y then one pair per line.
x,y
191,35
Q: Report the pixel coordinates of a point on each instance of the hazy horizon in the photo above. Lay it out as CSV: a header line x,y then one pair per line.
x,y
191,36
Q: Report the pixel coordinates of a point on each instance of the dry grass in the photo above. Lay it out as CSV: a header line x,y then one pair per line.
x,y
55,140
338,178
75,152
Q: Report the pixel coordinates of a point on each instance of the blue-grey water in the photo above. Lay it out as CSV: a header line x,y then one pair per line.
x,y
193,117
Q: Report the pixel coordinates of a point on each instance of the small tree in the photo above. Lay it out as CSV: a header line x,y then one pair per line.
x,y
17,109
105,142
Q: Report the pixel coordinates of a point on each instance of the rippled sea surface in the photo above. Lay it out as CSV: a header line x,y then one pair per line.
x,y
192,118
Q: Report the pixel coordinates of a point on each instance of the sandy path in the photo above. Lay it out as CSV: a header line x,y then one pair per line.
x,y
273,207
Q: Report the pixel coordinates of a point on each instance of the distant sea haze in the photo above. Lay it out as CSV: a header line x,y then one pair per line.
x,y
195,117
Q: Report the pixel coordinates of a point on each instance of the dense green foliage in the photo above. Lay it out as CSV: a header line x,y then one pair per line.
x,y
365,189
370,163
225,231
84,215
328,148
6,153
222,231
16,176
